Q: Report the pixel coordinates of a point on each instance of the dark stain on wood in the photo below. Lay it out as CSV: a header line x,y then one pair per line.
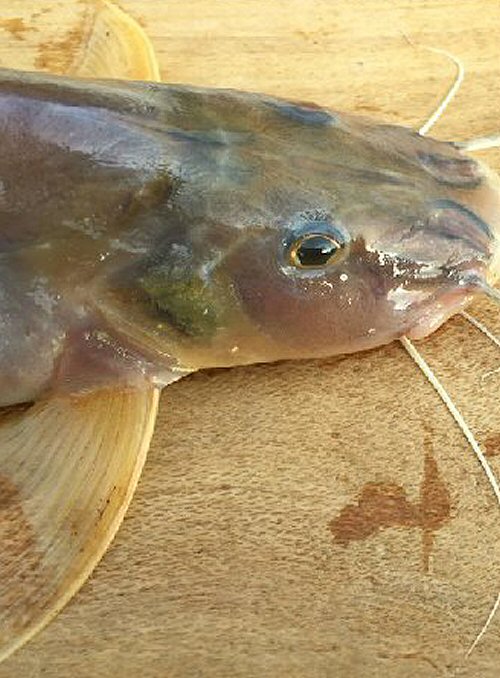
x,y
383,505
379,506
58,56
491,445
16,26
435,501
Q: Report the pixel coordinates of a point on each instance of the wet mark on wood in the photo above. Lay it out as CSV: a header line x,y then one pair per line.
x,y
383,505
491,445
58,56
409,655
16,27
40,12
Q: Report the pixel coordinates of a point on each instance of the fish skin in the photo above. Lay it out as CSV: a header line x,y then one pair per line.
x,y
145,231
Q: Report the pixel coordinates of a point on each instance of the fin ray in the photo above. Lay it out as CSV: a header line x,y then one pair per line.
x,y
116,47
68,469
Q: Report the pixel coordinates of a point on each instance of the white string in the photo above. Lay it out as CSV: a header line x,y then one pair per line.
x,y
486,624
482,328
455,413
480,143
449,95
477,144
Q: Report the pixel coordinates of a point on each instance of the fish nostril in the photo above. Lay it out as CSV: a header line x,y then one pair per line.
x,y
303,113
461,172
453,221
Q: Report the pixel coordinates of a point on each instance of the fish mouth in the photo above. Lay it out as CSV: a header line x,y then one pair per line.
x,y
470,246
439,311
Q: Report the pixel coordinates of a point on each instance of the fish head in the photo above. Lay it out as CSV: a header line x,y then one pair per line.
x,y
311,234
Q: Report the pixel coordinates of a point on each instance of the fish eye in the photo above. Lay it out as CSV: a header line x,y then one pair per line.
x,y
315,250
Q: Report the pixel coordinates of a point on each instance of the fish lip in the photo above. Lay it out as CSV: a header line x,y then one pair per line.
x,y
440,309
461,287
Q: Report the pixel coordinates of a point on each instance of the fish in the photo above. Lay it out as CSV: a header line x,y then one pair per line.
x,y
150,230
214,228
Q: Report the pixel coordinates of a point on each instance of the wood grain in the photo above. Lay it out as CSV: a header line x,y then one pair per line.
x,y
304,519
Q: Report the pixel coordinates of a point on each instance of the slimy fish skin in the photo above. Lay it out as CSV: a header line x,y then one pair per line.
x,y
150,230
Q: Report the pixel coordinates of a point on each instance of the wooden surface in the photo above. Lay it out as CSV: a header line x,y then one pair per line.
x,y
304,519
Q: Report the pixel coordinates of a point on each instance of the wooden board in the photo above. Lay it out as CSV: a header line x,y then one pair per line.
x,y
316,518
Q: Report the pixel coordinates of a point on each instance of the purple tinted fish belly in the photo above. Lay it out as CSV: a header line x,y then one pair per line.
x,y
150,230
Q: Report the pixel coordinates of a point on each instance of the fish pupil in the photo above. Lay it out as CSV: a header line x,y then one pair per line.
x,y
314,251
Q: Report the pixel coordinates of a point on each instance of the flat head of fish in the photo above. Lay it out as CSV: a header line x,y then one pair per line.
x,y
150,230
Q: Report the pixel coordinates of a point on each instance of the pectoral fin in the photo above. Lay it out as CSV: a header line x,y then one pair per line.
x,y
68,469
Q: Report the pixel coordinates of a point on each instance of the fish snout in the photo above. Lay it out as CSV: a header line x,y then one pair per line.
x,y
436,272
463,234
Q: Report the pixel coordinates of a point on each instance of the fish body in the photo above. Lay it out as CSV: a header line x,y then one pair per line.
x,y
149,230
